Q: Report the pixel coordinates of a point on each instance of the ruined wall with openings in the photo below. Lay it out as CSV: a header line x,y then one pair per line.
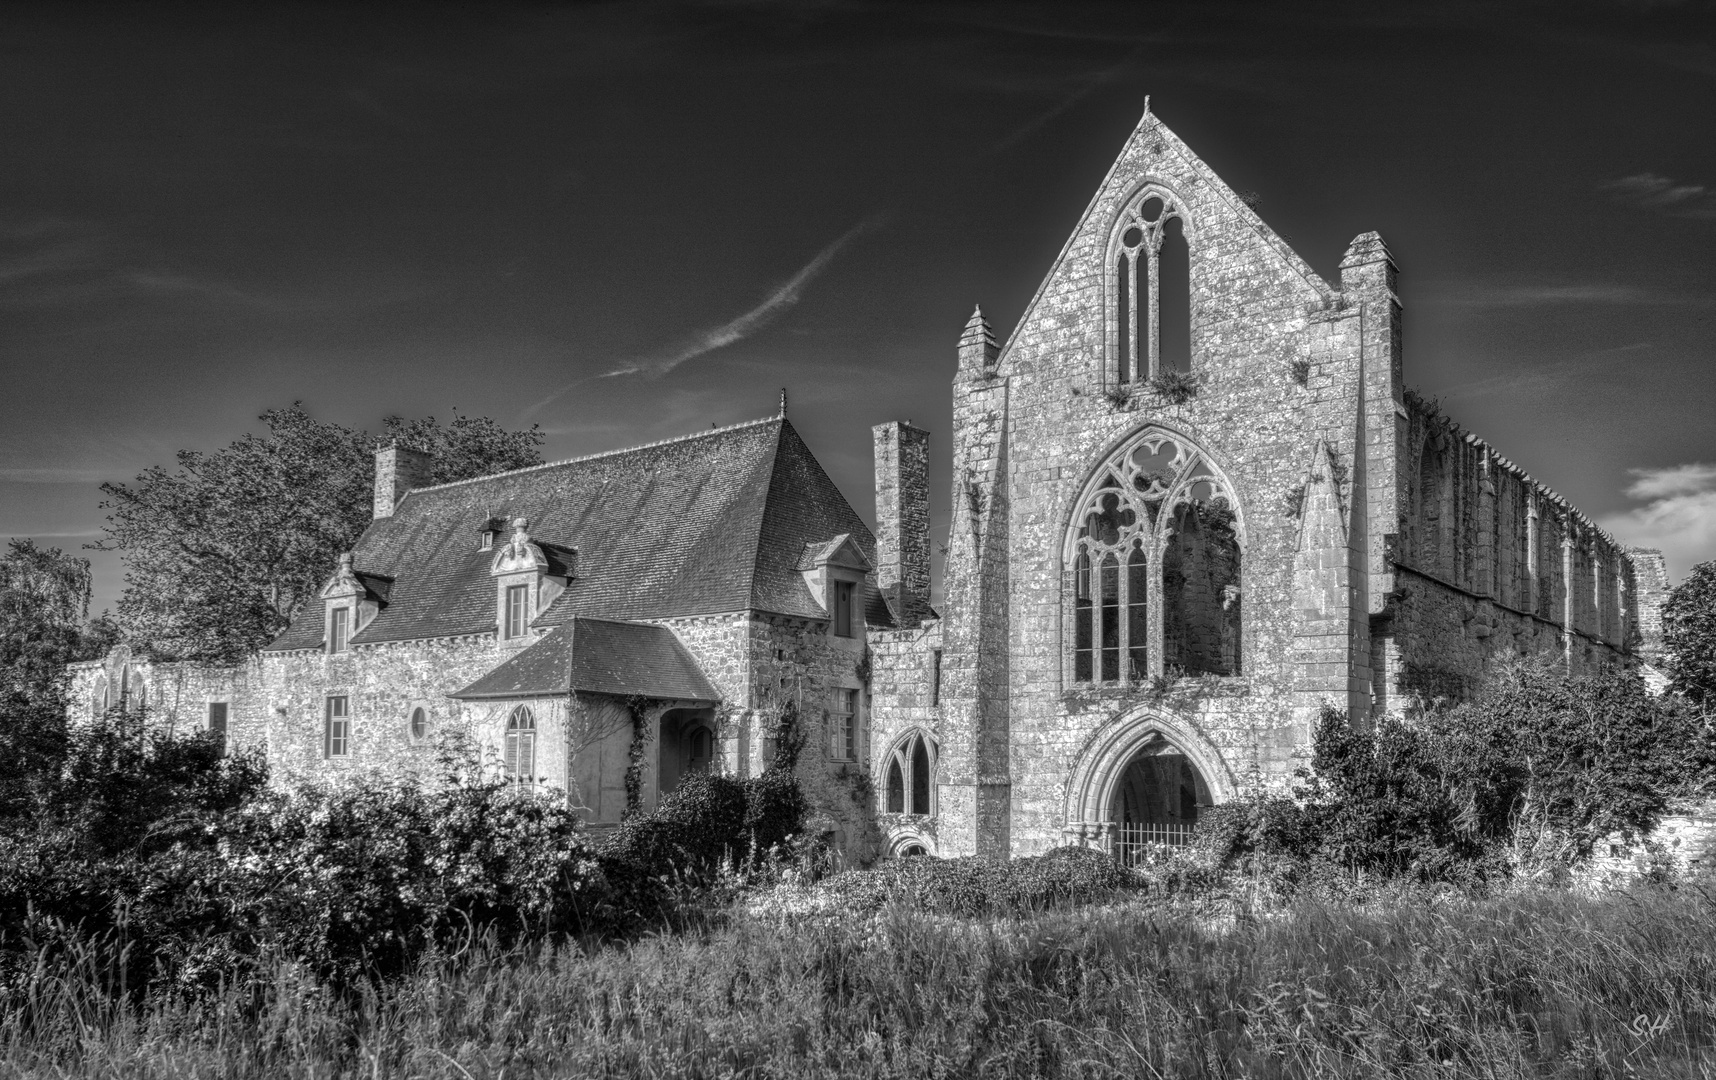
x,y
1491,565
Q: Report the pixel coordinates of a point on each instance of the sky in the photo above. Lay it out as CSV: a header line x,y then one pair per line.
x,y
630,222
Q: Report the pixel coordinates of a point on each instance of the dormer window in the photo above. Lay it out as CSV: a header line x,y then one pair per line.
x,y
517,610
339,629
353,601
843,608
835,572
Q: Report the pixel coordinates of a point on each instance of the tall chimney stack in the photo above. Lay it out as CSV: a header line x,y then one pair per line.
x,y
398,470
902,520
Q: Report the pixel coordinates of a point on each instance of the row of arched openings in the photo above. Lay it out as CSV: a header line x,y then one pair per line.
x,y
1151,289
1155,566
127,692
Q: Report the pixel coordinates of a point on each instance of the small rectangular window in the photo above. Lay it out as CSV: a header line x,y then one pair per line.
x,y
843,609
337,738
846,725
339,629
935,678
517,610
217,723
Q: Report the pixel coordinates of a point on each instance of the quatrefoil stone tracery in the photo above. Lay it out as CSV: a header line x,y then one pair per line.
x,y
1152,474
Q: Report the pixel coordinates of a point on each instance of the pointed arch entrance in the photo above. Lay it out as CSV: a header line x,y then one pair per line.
x,y
1143,777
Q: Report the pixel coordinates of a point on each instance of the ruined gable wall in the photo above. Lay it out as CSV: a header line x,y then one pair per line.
x,y
1492,564
1256,311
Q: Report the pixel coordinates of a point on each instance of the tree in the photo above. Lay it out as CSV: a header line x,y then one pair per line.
x,y
1553,763
222,552
44,600
1689,635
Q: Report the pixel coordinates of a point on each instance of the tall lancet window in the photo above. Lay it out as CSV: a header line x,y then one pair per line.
x,y
1151,293
1154,561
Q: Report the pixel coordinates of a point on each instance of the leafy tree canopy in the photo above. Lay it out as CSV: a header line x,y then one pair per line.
x,y
1689,632
221,552
44,601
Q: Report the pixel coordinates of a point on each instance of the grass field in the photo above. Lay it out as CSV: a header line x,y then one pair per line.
x,y
1548,984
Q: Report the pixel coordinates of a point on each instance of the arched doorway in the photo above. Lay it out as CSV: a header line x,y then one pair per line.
x,y
1144,777
687,745
1156,800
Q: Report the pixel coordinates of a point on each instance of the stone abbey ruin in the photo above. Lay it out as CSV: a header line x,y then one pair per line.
x,y
1193,503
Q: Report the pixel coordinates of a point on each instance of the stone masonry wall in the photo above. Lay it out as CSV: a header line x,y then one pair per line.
x,y
1492,565
1279,361
905,677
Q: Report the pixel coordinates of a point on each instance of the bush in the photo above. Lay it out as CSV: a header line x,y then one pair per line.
x,y
166,864
977,887
357,880
655,863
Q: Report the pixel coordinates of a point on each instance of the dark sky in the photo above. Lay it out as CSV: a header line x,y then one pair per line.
x,y
208,211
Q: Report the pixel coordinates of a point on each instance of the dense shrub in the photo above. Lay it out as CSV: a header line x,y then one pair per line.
x,y
706,825
358,879
977,887
1527,777
169,864
1378,800
1548,765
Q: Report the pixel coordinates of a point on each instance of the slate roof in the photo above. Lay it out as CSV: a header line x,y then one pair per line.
x,y
709,523
599,656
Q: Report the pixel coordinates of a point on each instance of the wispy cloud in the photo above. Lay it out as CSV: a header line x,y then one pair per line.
x,y
1663,195
1678,515
783,298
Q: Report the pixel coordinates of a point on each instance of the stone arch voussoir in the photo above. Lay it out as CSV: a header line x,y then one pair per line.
x,y
1105,755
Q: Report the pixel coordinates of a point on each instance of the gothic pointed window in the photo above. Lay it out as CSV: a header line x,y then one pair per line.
x,y
519,759
911,776
1150,289
1155,566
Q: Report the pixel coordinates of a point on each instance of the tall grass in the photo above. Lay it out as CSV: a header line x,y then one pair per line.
x,y
1541,985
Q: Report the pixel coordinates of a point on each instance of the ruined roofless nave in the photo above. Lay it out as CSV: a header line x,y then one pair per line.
x,y
1193,503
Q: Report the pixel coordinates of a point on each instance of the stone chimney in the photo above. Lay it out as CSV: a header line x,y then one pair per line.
x,y
902,519
398,470
1650,578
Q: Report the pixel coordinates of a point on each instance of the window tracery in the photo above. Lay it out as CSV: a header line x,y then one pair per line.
x,y
1155,566
911,776
1150,288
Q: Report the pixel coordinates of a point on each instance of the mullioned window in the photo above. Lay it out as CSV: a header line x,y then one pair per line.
x,y
1155,557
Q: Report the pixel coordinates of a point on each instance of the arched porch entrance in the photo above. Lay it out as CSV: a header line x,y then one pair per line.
x,y
1144,778
1156,800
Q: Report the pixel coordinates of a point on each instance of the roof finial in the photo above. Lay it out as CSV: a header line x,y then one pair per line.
x,y
1146,106
783,401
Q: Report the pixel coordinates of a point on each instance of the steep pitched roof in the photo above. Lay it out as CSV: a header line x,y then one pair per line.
x,y
709,523
599,656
